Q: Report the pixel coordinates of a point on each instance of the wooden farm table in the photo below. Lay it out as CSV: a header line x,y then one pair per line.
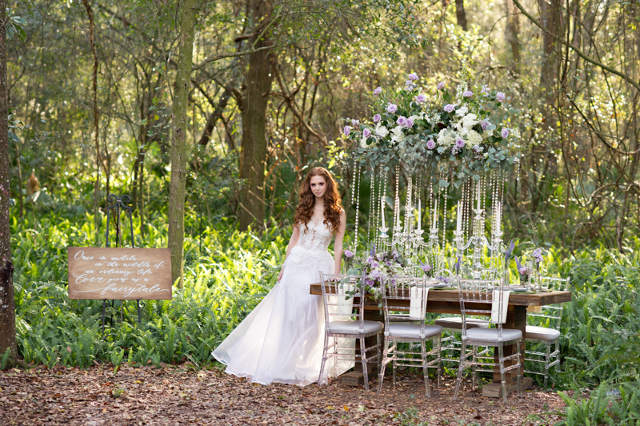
x,y
445,301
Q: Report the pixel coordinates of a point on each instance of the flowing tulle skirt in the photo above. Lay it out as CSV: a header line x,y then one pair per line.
x,y
282,339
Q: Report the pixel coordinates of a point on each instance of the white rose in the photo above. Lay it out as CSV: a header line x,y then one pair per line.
x,y
445,138
396,134
462,111
381,131
469,120
474,137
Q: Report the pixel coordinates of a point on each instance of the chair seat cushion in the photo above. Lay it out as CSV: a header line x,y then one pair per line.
x,y
408,330
490,336
456,323
533,332
353,327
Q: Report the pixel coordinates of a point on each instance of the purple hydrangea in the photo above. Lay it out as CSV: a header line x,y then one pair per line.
x,y
402,120
346,130
366,132
431,144
413,76
500,97
391,108
376,118
421,98
484,124
467,93
409,123
440,85
449,107
375,274
459,143
348,254
377,91
504,133
425,267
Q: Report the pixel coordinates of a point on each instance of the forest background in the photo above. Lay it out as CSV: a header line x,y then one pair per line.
x,y
207,114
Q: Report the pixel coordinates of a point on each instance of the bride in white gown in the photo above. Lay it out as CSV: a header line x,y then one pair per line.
x,y
282,339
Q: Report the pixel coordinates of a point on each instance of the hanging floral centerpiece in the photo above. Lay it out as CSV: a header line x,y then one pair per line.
x,y
465,131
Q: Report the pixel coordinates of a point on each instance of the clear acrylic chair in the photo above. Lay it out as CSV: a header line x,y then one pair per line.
x,y
404,300
544,329
451,344
343,298
477,298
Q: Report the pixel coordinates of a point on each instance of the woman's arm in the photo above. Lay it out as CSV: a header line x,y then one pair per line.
x,y
337,246
295,235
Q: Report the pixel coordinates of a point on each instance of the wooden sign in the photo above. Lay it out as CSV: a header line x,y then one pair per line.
x,y
119,273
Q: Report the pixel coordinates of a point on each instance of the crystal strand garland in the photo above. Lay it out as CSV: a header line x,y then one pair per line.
x,y
371,207
407,216
383,182
396,208
407,210
483,204
465,209
444,214
353,181
492,212
376,210
357,190
375,190
417,242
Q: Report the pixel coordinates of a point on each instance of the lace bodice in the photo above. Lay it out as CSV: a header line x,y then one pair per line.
x,y
314,236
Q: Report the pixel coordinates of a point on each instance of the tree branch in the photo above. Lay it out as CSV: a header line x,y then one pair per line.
x,y
578,51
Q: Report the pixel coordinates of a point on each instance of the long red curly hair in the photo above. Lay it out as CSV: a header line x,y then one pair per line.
x,y
332,200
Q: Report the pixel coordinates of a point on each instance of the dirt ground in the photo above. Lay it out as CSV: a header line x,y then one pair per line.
x,y
185,395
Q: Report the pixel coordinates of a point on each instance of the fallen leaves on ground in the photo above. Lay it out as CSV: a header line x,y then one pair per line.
x,y
182,394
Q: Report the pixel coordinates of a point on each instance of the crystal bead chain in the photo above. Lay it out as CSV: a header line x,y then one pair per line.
x,y
353,182
444,215
357,180
370,222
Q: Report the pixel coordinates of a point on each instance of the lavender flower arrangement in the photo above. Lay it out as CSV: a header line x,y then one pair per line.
x,y
376,267
426,128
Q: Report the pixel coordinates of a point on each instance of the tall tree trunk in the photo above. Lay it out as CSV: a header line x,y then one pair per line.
x,y
258,78
551,19
512,33
461,15
96,127
7,304
178,144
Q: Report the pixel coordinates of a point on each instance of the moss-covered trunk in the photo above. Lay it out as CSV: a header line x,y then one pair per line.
x,y
178,143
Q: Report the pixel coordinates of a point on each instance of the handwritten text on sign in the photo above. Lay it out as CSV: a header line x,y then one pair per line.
x,y
119,273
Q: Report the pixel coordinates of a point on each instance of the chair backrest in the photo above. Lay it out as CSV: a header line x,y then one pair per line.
x,y
404,298
480,298
549,315
341,296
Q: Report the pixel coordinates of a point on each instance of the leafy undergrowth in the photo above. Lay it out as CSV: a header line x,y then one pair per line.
x,y
184,394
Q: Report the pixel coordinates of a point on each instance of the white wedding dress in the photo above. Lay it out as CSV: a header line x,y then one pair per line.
x,y
282,339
